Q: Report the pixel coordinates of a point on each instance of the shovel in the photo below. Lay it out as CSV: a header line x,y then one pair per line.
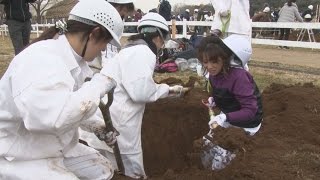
x,y
212,156
109,126
104,108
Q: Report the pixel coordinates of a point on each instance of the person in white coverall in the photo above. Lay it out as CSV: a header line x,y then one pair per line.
x,y
232,17
133,71
44,100
124,7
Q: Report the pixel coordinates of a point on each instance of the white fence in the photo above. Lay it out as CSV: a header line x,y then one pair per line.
x,y
37,29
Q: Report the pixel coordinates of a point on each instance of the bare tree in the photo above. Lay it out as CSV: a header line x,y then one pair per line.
x,y
176,8
41,6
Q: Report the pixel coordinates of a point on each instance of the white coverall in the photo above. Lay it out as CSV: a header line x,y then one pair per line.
x,y
240,22
43,100
133,71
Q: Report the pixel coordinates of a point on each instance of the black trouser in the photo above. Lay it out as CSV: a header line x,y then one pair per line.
x,y
19,34
284,33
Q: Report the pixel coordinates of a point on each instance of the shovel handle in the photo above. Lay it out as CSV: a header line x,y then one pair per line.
x,y
211,113
109,126
214,125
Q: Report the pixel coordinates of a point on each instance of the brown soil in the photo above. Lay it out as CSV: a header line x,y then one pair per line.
x,y
287,146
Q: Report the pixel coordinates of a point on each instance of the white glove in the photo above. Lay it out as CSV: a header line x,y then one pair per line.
x,y
175,91
220,120
97,126
104,82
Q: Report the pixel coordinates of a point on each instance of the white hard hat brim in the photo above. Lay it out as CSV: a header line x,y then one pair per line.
x,y
240,46
115,41
153,19
121,1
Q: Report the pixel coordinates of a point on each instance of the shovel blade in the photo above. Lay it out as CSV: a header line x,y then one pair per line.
x,y
214,157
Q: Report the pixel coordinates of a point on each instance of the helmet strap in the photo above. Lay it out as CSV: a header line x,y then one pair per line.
x,y
150,43
85,48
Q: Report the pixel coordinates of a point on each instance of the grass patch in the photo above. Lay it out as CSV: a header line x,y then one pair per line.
x,y
263,77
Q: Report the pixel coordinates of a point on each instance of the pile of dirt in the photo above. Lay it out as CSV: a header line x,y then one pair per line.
x,y
286,147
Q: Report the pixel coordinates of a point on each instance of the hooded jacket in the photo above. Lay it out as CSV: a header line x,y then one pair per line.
x,y
17,9
289,13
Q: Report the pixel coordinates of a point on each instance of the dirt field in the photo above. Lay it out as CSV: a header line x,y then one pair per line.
x,y
287,146
302,57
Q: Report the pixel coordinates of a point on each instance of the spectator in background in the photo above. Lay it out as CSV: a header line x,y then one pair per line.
x,y
288,13
308,14
275,14
179,28
200,29
18,20
263,16
130,29
193,18
165,10
274,18
138,15
186,14
195,15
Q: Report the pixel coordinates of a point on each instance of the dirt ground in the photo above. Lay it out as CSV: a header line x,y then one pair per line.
x,y
286,147
297,56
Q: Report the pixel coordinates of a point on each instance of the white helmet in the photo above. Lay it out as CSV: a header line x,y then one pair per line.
x,y
308,16
310,7
266,9
187,10
195,10
155,20
240,46
99,12
121,1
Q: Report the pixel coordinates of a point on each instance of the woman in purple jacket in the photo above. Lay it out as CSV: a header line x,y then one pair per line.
x,y
234,91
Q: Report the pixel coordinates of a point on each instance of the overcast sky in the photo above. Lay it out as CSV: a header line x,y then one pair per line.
x,y
146,5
